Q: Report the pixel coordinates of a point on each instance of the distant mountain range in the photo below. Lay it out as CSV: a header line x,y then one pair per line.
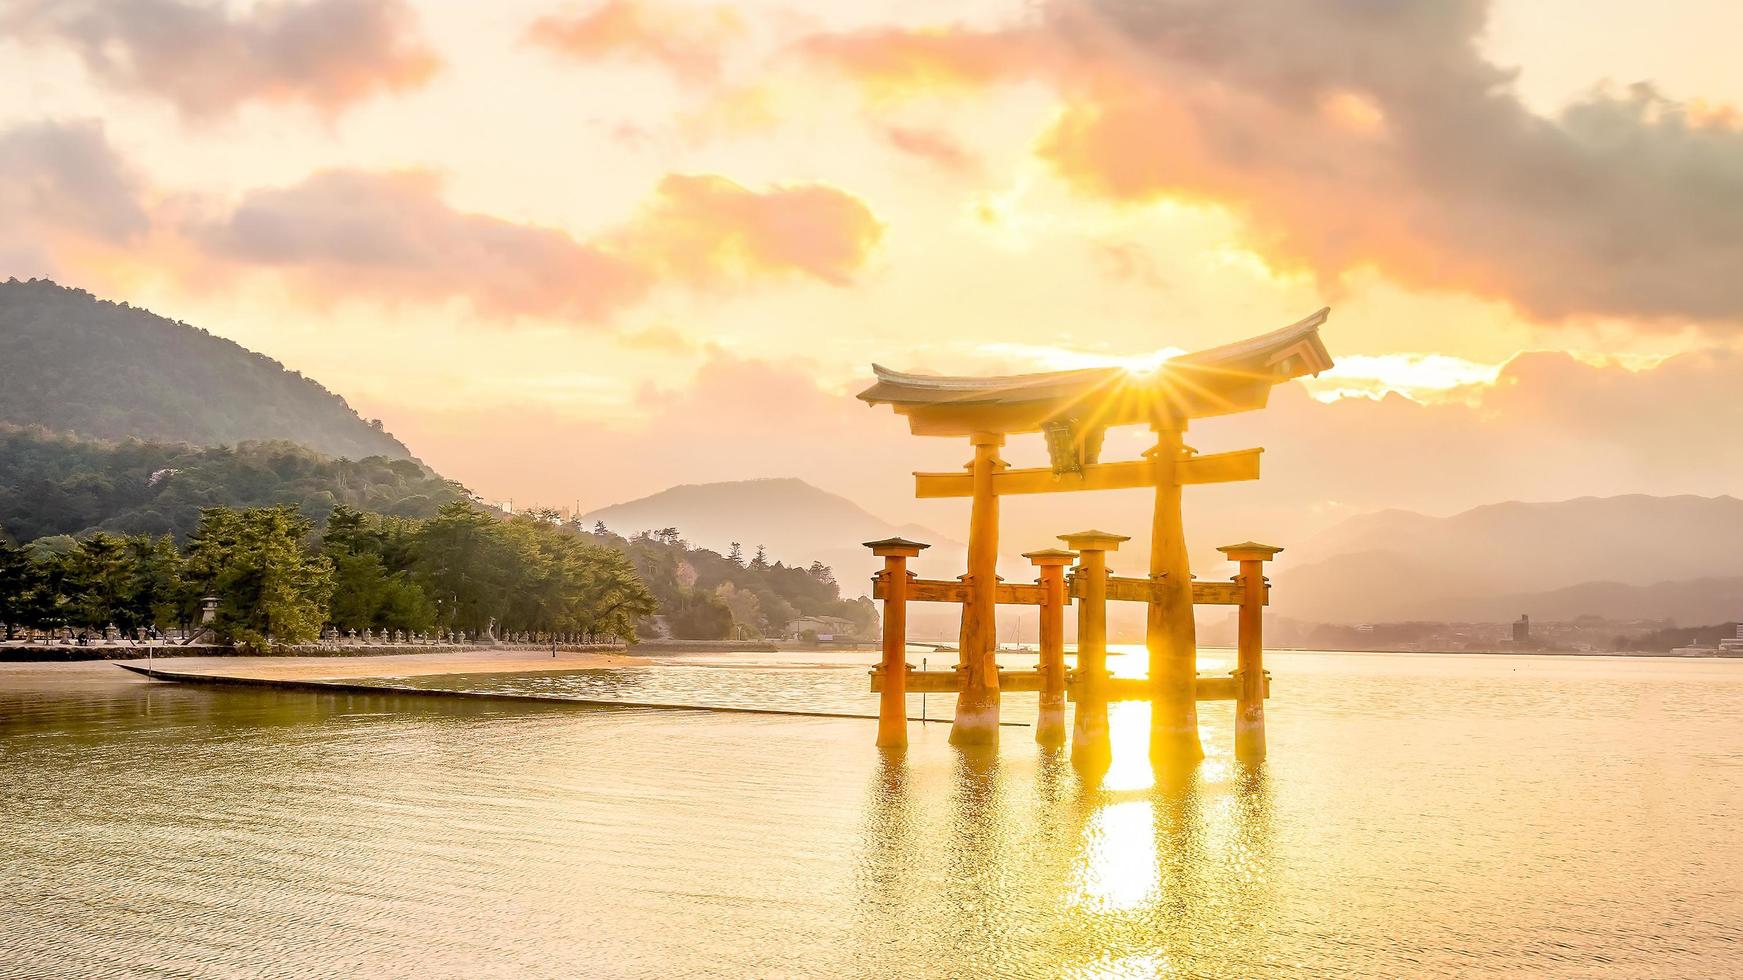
x,y
1621,557
79,365
796,522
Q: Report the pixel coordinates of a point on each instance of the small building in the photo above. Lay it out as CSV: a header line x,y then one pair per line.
x,y
821,627
1522,630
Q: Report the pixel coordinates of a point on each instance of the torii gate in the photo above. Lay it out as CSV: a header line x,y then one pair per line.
x,y
1073,410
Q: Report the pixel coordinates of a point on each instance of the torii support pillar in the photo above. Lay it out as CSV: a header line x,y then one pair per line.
x,y
1250,649
893,702
1050,721
1089,731
977,707
1170,634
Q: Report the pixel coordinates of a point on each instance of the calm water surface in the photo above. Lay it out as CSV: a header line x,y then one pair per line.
x,y
1420,815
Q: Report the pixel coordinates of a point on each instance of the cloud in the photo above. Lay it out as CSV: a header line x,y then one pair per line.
x,y
1352,135
1410,153
704,229
207,60
689,41
935,147
65,189
68,176
391,236
895,62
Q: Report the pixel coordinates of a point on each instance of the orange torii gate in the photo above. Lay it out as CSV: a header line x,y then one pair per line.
x,y
1073,410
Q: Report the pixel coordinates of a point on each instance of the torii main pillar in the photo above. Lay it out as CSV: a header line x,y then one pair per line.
x,y
1170,635
977,706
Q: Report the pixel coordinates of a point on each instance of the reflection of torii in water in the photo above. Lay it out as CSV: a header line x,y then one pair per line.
x,y
1073,410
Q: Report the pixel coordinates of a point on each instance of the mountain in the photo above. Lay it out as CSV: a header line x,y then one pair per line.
x,y
102,370
1690,602
797,522
1631,556
56,484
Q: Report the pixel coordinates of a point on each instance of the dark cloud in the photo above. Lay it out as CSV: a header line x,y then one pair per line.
x,y
207,60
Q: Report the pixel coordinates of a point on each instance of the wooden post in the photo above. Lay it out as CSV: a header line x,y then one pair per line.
x,y
893,702
1089,732
977,706
1050,722
1169,634
1250,649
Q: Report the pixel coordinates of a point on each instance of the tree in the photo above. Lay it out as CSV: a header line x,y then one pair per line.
x,y
746,610
99,582
464,560
18,582
822,573
761,561
735,554
700,616
373,584
600,529
160,597
271,588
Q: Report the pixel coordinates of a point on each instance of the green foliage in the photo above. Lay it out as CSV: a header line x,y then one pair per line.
x,y
699,616
108,371
53,485
761,595
526,574
272,587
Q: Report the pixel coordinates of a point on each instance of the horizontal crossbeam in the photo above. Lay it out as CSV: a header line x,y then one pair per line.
x,y
1242,464
1014,594
1210,687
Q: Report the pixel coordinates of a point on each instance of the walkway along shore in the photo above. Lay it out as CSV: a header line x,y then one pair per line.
x,y
314,674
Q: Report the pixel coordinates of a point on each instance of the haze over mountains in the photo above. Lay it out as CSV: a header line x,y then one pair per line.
x,y
88,367
797,522
1622,557
92,369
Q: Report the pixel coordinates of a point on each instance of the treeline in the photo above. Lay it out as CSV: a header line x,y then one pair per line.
x,y
105,370
56,485
280,582
706,595
1677,636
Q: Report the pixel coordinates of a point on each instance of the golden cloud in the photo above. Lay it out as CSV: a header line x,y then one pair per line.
x,y
1406,153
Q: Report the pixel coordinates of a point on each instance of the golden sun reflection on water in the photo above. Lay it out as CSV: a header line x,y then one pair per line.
x,y
242,832
1117,863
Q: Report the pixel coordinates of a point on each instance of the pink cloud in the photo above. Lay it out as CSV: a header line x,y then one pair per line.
x,y
207,61
689,41
933,146
391,236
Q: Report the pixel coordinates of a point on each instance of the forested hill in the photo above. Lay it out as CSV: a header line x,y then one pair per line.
x,y
70,362
53,484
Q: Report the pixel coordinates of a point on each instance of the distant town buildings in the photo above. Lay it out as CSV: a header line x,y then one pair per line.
x,y
1522,630
1733,645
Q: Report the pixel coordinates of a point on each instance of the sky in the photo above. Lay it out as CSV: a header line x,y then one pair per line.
x,y
575,253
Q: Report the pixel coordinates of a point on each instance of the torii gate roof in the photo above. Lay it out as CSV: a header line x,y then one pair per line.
x,y
1232,378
